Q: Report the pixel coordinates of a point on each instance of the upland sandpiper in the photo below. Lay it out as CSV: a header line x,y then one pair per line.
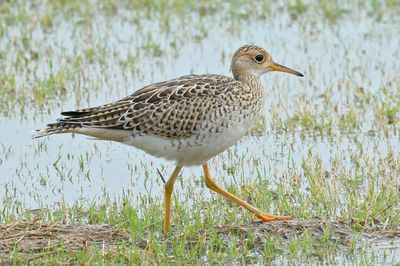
x,y
188,120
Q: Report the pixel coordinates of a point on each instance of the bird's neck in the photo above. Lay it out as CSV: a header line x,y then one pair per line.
x,y
251,80
254,93
244,76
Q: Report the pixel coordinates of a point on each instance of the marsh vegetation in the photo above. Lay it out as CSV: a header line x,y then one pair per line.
x,y
326,151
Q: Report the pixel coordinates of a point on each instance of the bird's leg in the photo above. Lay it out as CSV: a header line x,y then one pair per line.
x,y
211,184
168,188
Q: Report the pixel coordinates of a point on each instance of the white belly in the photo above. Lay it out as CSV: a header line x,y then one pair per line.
x,y
194,150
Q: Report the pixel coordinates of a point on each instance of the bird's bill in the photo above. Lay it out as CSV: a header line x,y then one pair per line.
x,y
278,67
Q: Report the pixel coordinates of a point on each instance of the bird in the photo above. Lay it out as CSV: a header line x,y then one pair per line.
x,y
187,120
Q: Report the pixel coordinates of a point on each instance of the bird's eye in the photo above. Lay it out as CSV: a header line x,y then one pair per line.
x,y
259,58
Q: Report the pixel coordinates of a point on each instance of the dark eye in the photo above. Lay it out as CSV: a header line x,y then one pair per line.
x,y
259,58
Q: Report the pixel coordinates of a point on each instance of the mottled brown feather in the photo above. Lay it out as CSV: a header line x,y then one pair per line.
x,y
171,109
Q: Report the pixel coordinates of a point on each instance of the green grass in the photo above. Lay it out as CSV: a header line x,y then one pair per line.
x,y
196,232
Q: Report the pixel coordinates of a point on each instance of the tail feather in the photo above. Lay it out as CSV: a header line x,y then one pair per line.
x,y
55,128
104,116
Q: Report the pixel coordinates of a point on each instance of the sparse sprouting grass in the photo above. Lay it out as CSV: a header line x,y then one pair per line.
x,y
297,9
388,111
348,121
332,10
330,160
307,120
53,86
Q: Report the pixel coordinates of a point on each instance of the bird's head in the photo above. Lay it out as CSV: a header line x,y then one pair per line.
x,y
255,61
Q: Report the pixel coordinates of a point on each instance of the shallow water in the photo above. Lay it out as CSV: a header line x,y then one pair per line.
x,y
129,52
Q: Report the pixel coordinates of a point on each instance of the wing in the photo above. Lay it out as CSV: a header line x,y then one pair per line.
x,y
171,109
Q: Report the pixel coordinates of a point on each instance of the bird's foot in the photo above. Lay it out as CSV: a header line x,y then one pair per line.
x,y
269,218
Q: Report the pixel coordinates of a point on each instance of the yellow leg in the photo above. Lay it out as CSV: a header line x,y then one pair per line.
x,y
168,188
211,184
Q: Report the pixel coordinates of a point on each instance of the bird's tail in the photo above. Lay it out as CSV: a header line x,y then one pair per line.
x,y
55,128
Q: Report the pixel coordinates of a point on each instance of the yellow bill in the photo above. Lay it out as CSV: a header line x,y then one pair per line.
x,y
278,67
